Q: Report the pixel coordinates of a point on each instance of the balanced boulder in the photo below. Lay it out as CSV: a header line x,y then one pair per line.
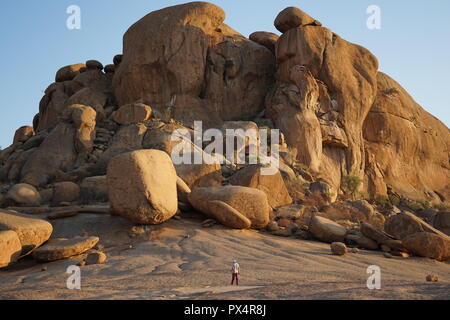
x,y
23,134
143,186
292,17
248,202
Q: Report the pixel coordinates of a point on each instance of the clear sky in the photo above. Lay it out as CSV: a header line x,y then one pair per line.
x,y
413,44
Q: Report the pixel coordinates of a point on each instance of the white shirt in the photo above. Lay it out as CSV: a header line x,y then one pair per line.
x,y
235,267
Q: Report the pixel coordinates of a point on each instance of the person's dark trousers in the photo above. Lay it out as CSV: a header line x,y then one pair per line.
x,y
235,277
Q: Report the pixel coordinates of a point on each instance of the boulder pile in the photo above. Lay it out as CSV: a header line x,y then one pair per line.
x,y
360,161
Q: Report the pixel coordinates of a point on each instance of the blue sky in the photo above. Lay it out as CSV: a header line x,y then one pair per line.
x,y
413,45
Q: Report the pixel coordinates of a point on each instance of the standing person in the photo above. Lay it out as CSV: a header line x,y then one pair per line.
x,y
236,271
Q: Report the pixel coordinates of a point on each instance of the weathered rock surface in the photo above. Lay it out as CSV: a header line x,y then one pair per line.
x,y
428,245
84,121
132,113
228,216
200,175
23,134
362,241
94,189
64,249
326,230
375,234
198,69
266,39
251,203
65,192
10,248
338,248
272,185
291,18
442,222
40,168
32,232
355,211
149,181
96,258
408,146
23,194
405,224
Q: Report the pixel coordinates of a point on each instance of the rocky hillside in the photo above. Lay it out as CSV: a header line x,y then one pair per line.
x,y
358,153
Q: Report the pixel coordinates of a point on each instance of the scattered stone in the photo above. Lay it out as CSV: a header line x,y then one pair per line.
x,y
338,248
283,232
401,254
432,278
303,235
64,249
355,250
81,263
95,258
284,223
326,230
387,255
94,189
293,212
404,224
272,226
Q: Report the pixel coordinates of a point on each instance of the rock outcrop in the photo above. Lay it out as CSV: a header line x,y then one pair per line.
x,y
348,132
197,69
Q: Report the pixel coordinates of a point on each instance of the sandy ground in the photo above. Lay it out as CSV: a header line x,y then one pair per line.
x,y
182,260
